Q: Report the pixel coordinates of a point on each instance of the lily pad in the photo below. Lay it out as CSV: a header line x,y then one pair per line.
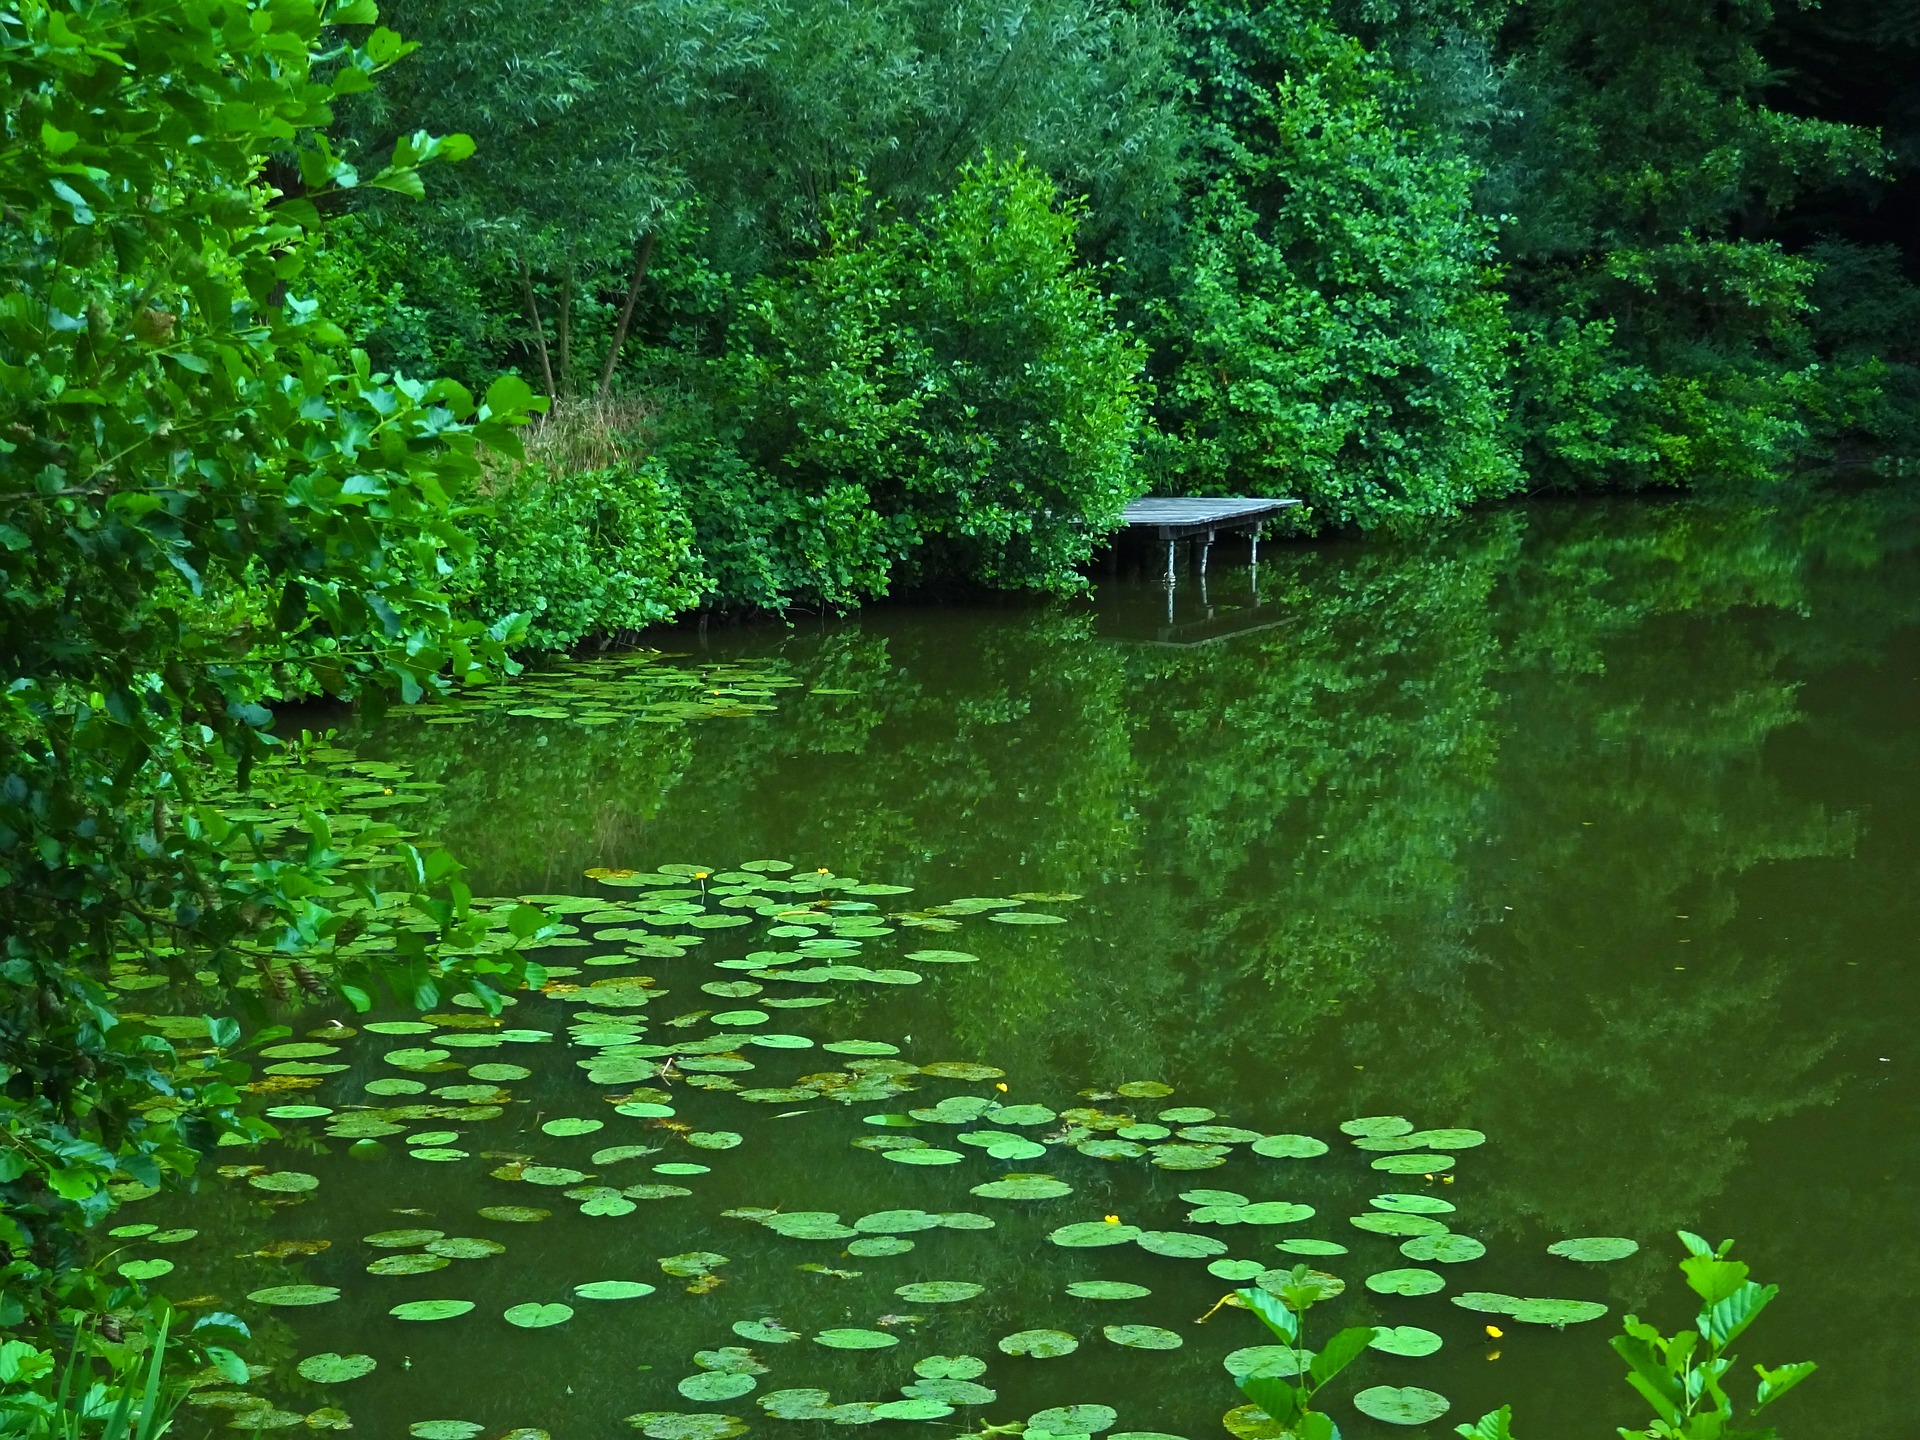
x,y
285,1182
497,1072
1305,1246
430,1309
1175,1244
767,1332
1289,1147
926,1155
332,1368
1074,1419
853,1338
1108,1290
572,1125
1413,1164
613,1290
1487,1302
950,1367
142,1270
1238,1271
877,1245
1023,1187
713,1139
666,1425
712,1386
938,1292
533,1315
1370,1126
1405,1227
427,1429
1457,1139
1447,1249
295,1295
551,1175
1413,1204
1404,1340
1090,1233
1409,1281
407,1264
1038,1344
896,1222
1143,1337
1557,1312
1401,1404
1595,1249
513,1214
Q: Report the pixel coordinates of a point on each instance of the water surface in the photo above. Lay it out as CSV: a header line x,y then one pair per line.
x,y
1588,826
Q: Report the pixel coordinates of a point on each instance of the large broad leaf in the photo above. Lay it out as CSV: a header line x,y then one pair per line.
x,y
1279,1319
1722,1321
1279,1399
1339,1352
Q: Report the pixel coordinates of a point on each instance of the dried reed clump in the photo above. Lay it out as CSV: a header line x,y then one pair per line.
x,y
592,433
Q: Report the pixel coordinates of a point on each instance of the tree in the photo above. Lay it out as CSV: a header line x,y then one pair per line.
x,y
206,499
1331,328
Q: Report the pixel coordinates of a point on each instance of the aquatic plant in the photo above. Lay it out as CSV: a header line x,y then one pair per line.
x,y
1683,1376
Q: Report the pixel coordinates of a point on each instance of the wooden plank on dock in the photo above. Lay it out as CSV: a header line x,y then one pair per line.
x,y
1177,517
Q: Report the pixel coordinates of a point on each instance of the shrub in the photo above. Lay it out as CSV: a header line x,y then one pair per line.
x,y
583,554
945,395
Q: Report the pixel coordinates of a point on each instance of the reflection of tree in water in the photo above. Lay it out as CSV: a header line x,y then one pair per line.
x,y
1298,847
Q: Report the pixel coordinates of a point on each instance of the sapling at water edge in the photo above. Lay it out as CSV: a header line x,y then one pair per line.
x,y
1289,1401
1681,1375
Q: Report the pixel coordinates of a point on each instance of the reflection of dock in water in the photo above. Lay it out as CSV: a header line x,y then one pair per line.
x,y
1202,613
1152,605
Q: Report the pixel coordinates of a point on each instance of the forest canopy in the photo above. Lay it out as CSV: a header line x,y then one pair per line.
x,y
1390,258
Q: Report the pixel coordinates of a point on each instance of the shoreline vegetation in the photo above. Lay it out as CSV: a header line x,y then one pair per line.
x,y
821,301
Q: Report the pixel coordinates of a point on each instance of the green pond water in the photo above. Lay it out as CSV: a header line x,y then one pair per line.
x,y
1587,828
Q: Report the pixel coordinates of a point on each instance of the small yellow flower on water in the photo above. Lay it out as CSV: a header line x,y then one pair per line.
x,y
822,871
1113,1219
1494,1332
699,874
1001,1086
387,791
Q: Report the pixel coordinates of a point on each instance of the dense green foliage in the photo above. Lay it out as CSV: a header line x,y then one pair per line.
x,y
1388,258
589,552
943,396
1330,328
206,497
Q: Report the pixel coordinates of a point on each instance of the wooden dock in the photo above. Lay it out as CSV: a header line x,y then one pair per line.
x,y
1171,519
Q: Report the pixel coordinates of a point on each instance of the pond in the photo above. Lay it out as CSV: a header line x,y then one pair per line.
x,y
1586,830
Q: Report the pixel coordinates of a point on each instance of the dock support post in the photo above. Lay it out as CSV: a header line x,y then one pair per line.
x,y
1206,545
1169,577
1256,545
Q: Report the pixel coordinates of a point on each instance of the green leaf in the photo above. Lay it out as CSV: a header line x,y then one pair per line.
x,y
1280,1400
1279,1319
1775,1383
1338,1353
1723,1321
1495,1426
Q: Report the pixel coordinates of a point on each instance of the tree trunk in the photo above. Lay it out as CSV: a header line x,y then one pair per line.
x,y
566,333
539,326
642,254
